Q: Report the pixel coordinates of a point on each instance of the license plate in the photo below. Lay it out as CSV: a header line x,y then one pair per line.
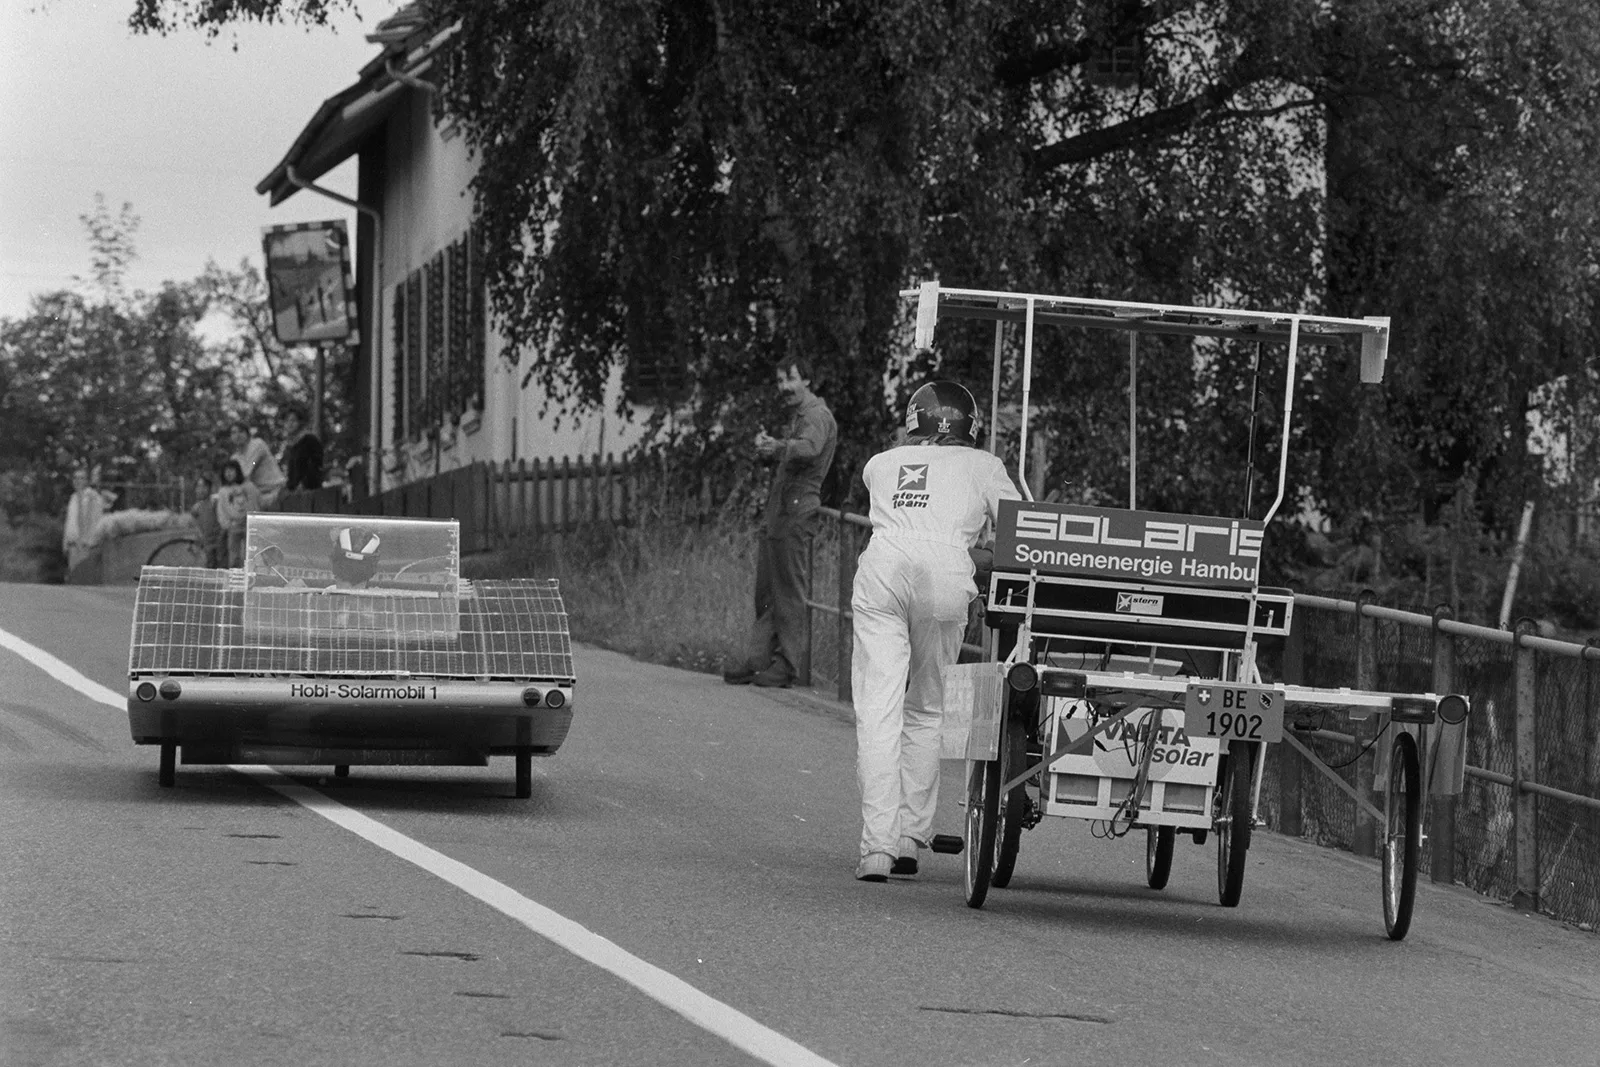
x,y
1233,712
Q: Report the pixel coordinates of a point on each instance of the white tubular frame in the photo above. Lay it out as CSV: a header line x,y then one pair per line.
x,y
935,300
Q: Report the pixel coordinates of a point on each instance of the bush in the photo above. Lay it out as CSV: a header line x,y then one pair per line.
x,y
30,549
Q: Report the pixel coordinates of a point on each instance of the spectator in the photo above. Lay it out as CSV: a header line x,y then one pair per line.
x,y
236,498
302,459
204,512
355,476
84,510
801,459
257,465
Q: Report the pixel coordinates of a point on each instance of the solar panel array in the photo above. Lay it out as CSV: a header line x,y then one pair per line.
x,y
191,620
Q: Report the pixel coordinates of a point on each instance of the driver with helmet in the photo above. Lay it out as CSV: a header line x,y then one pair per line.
x,y
354,558
930,500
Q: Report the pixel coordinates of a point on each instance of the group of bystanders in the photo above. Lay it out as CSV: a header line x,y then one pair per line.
x,y
253,478
249,479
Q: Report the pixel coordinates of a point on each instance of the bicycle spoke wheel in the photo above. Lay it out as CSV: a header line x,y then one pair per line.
x,y
983,811
1233,821
1402,836
179,552
1014,807
1159,843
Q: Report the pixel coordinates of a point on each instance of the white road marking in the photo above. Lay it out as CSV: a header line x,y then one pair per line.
x,y
62,672
672,992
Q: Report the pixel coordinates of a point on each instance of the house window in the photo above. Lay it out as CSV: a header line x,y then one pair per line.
x,y
416,412
437,367
398,414
460,332
439,340
651,379
1117,59
478,316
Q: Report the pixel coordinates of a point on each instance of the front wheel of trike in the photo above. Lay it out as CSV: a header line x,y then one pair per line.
x,y
1159,843
1233,818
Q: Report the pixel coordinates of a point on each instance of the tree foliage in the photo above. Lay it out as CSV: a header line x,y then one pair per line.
x,y
213,16
144,386
701,185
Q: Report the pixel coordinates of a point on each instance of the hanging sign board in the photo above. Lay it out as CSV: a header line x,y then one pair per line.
x,y
308,276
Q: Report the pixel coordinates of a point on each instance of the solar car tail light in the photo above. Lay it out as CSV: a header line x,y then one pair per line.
x,y
1063,684
170,689
146,691
1022,677
1412,709
556,698
1453,709
533,697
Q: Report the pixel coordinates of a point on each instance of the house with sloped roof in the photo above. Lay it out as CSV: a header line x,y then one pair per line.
x,y
436,388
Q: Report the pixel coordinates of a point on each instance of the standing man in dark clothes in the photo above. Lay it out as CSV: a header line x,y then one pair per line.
x,y
801,459
302,460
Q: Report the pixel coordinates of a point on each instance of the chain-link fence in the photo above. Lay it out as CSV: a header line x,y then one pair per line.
x,y
1555,866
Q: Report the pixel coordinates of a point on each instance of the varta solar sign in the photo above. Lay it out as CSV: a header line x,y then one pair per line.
x,y
1141,545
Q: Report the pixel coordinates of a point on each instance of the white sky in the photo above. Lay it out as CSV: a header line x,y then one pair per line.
x,y
181,129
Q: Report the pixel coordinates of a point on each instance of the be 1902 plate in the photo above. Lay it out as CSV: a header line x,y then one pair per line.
x,y
1234,712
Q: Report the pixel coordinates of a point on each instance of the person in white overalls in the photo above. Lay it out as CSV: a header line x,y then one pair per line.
x,y
931,499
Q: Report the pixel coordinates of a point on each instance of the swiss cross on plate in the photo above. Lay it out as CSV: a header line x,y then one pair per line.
x,y
1234,711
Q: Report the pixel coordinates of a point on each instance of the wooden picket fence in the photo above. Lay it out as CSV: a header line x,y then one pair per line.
x,y
498,502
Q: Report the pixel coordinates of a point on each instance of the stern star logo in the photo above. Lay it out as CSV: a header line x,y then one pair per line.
x,y
913,476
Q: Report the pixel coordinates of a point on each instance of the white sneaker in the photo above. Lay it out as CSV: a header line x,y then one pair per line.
x,y
905,864
874,867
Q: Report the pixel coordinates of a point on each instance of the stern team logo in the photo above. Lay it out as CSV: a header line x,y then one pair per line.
x,y
911,487
913,476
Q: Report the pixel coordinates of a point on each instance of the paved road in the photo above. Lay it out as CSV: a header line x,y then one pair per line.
x,y
703,837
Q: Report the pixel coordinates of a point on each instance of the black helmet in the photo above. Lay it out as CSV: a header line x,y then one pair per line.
x,y
943,408
355,554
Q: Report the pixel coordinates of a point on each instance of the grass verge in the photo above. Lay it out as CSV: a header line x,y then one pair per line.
x,y
680,596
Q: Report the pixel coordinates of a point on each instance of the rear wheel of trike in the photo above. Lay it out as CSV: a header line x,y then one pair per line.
x,y
1402,837
1014,808
983,812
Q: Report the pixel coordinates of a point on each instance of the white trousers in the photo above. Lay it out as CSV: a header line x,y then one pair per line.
x,y
910,607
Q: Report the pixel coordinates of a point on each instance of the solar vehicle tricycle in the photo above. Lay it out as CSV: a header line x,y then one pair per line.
x,y
348,640
1121,684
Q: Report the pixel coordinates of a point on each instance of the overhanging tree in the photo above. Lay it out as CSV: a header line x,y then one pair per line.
x,y
699,185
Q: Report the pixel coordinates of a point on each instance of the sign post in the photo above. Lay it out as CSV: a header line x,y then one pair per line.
x,y
312,298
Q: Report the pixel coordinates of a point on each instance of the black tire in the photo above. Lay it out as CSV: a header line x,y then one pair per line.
x,y
1159,844
1233,821
167,776
983,812
178,552
1402,838
1013,759
524,774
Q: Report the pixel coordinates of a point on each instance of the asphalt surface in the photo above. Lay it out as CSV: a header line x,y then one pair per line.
x,y
708,831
